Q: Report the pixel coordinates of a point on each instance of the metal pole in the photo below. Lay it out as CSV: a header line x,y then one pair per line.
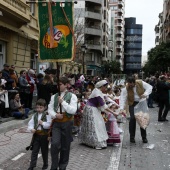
x,y
83,62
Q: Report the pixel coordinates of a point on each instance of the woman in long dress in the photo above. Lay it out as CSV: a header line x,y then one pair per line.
x,y
93,131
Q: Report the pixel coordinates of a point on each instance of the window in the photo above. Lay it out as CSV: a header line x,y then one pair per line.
x,y
134,31
32,8
33,61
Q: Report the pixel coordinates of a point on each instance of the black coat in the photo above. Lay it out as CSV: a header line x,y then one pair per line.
x,y
162,90
45,91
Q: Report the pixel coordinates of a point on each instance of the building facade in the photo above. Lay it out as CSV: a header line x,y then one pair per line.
x,y
162,29
18,34
133,46
119,7
112,38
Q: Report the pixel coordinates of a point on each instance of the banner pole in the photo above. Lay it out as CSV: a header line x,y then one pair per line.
x,y
58,84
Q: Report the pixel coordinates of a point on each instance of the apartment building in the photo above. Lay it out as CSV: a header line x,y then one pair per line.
x,y
112,42
119,7
93,36
18,34
158,30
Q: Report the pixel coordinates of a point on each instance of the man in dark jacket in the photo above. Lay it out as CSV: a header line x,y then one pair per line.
x,y
6,76
162,89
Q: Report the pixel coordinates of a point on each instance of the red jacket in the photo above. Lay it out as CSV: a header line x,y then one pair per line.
x,y
32,85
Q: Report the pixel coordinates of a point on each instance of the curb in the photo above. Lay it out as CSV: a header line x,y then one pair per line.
x,y
13,124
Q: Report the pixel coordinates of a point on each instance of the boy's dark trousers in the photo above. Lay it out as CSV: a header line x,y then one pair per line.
x,y
40,141
60,143
132,123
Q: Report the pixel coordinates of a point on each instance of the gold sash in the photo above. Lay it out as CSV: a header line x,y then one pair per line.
x,y
64,119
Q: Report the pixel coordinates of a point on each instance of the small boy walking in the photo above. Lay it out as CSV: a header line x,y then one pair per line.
x,y
39,125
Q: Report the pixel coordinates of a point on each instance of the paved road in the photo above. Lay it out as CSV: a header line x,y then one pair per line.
x,y
13,155
138,157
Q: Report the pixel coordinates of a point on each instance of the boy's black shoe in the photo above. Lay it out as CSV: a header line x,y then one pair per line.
x,y
30,168
145,140
132,140
164,119
161,120
44,167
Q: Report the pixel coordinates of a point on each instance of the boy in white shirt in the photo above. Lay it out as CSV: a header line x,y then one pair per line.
x,y
39,125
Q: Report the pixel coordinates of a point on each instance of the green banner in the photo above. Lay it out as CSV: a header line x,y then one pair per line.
x,y
63,43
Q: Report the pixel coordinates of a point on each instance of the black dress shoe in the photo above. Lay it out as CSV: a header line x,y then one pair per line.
x,y
44,167
145,140
164,119
132,140
30,168
161,120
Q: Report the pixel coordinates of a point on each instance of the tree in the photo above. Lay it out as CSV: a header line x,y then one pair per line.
x,y
112,67
158,59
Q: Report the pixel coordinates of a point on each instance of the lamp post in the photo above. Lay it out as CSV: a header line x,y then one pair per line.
x,y
83,48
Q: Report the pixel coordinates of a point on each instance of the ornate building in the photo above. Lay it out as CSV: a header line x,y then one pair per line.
x,y
18,34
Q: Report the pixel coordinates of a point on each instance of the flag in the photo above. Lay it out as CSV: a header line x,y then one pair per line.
x,y
56,41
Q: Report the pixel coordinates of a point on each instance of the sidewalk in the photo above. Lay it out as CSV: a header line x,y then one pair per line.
x,y
138,156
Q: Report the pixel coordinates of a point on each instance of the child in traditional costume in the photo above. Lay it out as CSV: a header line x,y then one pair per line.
x,y
78,115
39,125
112,126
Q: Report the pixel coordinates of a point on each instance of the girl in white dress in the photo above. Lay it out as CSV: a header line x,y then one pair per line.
x,y
93,131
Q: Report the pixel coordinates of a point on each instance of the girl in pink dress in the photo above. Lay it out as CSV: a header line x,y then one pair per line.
x,y
112,126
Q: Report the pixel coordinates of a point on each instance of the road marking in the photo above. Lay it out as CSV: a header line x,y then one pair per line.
x,y
39,155
18,156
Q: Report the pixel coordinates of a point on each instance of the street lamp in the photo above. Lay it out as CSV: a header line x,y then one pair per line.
x,y
83,48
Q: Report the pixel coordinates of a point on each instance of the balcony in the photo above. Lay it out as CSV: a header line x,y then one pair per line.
x,y
120,10
119,46
119,32
119,53
16,10
94,45
93,30
119,24
119,17
95,1
33,22
121,3
119,39
94,14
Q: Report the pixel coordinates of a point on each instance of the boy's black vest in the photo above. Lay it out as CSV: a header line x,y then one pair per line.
x,y
44,119
66,116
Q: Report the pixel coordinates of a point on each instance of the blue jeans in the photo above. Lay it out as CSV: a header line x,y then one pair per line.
x,y
18,114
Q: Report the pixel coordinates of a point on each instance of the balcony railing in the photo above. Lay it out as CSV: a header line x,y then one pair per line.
x,y
94,45
96,1
16,9
93,30
93,15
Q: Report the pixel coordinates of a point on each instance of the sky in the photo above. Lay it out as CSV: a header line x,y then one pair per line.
x,y
146,13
